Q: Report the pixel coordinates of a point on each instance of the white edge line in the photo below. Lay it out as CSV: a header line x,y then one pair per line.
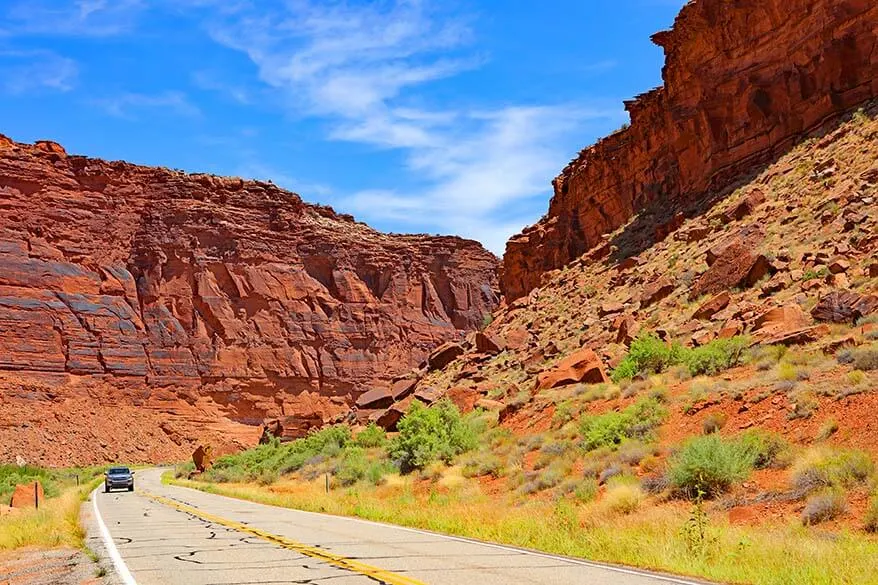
x,y
575,561
118,563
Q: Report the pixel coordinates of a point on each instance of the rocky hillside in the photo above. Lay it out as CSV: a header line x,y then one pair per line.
x,y
789,259
743,81
143,309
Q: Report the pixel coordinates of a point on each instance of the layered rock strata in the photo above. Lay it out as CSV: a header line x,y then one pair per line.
x,y
742,82
193,306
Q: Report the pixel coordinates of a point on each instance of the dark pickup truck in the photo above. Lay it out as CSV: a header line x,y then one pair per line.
x,y
119,477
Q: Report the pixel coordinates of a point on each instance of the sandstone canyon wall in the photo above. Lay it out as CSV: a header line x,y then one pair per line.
x,y
143,309
742,82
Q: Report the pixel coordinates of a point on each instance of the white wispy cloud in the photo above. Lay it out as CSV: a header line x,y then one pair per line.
x,y
127,105
480,170
24,72
96,18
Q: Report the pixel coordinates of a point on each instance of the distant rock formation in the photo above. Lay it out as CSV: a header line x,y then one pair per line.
x,y
143,310
742,81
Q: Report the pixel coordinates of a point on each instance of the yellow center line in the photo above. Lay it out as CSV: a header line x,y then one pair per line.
x,y
339,561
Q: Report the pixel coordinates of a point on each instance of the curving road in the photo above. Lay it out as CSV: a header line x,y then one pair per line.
x,y
167,535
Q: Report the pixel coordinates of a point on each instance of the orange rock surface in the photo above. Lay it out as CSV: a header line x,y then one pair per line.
x,y
144,310
742,82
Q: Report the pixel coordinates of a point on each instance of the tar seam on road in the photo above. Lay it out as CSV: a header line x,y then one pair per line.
x,y
374,573
121,569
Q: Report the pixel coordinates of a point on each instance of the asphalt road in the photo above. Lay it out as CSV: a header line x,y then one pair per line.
x,y
167,535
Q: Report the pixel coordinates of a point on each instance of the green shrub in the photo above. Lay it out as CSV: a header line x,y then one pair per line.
x,y
280,458
481,464
764,449
372,436
709,465
866,359
638,421
824,506
352,467
648,354
828,468
429,434
716,356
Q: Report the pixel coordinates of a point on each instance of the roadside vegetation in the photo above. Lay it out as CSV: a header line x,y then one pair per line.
x,y
56,522
599,485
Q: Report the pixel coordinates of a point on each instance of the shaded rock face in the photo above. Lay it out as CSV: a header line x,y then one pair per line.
x,y
216,300
742,81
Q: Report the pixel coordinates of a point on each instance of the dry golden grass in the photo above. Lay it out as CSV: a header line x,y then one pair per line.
x,y
55,524
651,538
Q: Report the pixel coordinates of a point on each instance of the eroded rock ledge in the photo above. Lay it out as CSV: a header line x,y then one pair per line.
x,y
183,307
742,82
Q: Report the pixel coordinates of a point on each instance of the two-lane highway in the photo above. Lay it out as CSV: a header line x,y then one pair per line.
x,y
167,535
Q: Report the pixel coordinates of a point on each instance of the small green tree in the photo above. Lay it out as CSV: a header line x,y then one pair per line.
x,y
429,434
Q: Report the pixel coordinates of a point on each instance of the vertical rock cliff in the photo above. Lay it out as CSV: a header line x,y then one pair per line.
x,y
742,82
142,309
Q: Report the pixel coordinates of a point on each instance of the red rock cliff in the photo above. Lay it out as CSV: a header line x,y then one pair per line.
x,y
742,81
142,309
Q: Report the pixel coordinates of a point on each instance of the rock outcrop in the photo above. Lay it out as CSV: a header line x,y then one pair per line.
x,y
193,307
742,82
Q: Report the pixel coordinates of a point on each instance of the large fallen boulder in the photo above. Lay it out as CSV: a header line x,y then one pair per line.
x,y
444,355
488,344
656,291
712,306
735,265
786,325
581,366
375,398
842,306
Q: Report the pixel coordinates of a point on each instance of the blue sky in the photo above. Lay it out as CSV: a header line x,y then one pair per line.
x,y
436,116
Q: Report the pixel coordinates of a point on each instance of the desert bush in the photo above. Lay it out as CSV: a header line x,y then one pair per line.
x,y
827,429
804,405
764,448
623,497
655,484
822,467
826,505
844,355
372,436
856,377
709,465
428,434
648,354
352,467
611,471
716,356
638,421
280,458
482,463
714,422
866,359
586,490
564,413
